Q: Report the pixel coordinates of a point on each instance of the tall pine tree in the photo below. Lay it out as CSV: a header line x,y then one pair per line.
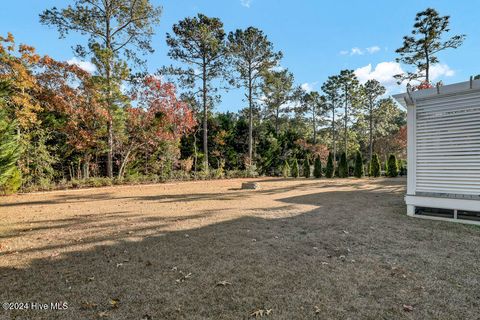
x,y
252,55
118,31
200,44
421,48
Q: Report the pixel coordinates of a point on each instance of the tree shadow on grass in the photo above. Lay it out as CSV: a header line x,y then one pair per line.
x,y
356,255
307,184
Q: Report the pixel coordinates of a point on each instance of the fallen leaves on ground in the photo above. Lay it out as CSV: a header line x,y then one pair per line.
x,y
407,307
184,277
114,303
223,283
260,313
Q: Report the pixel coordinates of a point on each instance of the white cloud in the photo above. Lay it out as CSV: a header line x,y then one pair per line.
x,y
308,87
85,65
383,72
373,49
355,51
359,51
246,3
440,70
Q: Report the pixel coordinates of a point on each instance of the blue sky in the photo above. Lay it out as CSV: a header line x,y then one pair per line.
x,y
318,38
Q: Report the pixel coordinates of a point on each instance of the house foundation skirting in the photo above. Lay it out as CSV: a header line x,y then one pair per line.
x,y
442,203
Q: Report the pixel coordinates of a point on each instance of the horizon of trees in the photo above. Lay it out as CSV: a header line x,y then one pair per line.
x,y
64,124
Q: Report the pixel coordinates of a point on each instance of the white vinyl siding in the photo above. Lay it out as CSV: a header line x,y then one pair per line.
x,y
448,144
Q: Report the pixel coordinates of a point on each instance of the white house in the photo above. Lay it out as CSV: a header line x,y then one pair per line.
x,y
444,152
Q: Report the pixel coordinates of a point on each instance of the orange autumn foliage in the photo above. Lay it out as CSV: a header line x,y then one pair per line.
x,y
73,94
159,115
16,67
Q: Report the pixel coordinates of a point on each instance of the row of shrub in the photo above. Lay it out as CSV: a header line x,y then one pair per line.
x,y
393,167
176,175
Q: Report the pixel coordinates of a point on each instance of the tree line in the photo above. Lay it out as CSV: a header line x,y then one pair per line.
x,y
62,125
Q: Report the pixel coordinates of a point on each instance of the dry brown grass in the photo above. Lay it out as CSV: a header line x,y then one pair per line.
x,y
306,249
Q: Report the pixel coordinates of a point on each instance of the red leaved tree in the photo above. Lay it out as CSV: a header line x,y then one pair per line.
x,y
158,117
73,96
317,150
395,143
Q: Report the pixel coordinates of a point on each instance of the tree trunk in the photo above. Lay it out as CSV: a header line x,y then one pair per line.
x,y
108,71
427,67
110,149
205,117
333,136
371,133
346,128
86,166
195,153
314,126
250,125
346,123
277,115
121,171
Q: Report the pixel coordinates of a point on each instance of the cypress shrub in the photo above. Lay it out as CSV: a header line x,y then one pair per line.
x,y
13,183
330,170
286,169
343,166
401,171
374,166
10,176
306,168
295,172
392,170
358,171
317,168
402,168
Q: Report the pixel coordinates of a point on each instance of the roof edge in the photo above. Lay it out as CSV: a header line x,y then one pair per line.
x,y
408,98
